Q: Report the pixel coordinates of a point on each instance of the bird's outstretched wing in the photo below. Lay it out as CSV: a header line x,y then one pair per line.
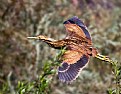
x,y
76,55
73,61
68,72
76,28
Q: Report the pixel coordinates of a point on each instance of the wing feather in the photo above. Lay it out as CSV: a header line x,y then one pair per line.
x,y
75,26
71,71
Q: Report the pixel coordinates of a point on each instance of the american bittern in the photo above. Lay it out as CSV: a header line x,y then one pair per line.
x,y
79,48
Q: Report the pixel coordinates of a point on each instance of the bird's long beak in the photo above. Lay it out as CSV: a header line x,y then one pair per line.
x,y
32,37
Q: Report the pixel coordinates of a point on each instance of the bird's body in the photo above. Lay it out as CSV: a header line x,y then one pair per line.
x,y
78,46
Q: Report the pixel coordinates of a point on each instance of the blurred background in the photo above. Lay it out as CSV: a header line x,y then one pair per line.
x,y
22,59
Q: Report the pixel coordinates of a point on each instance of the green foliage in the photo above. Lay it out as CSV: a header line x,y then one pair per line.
x,y
41,85
4,89
117,78
24,88
116,70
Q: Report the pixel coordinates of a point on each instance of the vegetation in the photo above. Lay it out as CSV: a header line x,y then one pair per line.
x,y
28,67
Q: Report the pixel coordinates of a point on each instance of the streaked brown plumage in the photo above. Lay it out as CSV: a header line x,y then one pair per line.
x,y
78,46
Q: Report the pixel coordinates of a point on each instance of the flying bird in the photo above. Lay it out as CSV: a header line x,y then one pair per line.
x,y
78,49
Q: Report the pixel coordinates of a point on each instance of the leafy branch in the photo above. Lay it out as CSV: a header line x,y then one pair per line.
x,y
116,72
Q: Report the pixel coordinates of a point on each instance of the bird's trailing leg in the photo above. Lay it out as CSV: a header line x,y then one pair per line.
x,y
103,58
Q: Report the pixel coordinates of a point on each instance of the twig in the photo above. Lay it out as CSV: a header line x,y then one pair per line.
x,y
37,58
9,83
